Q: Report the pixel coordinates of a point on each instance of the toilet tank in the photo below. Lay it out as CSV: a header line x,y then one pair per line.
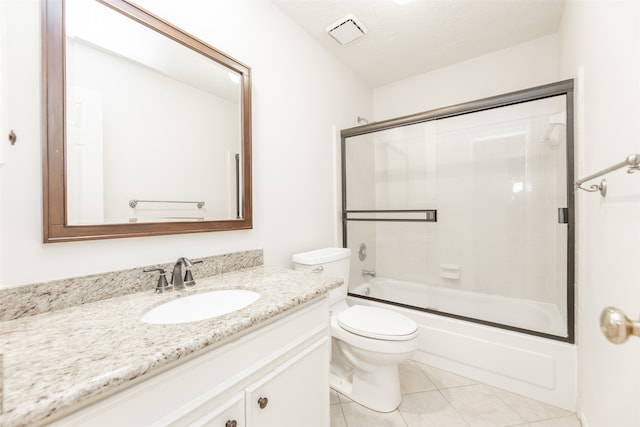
x,y
332,262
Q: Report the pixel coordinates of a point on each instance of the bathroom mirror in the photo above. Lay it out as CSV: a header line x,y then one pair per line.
x,y
147,130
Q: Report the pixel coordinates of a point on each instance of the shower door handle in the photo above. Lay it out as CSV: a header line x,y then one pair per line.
x,y
563,215
616,326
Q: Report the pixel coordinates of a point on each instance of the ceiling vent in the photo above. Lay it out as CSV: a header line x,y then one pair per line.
x,y
346,30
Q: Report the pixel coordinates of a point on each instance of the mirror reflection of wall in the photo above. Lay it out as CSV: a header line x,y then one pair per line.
x,y
147,119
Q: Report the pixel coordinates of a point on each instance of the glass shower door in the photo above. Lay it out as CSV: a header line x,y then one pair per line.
x,y
465,215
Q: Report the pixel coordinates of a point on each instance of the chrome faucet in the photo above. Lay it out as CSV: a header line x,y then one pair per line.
x,y
176,277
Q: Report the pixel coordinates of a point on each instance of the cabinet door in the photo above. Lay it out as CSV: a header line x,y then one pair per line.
x,y
294,394
229,414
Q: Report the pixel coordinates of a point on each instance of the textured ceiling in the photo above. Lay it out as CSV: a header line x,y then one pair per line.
x,y
403,41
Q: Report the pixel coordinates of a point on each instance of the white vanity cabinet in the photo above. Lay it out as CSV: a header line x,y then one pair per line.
x,y
287,396
274,375
229,414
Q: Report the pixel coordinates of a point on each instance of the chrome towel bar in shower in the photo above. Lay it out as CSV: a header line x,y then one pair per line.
x,y
632,161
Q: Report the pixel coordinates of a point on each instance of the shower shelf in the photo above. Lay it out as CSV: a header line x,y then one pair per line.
x,y
632,161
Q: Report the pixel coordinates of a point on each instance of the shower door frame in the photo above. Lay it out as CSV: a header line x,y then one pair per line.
x,y
564,87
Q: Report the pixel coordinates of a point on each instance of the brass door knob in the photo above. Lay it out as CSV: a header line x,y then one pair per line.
x,y
616,326
263,401
231,423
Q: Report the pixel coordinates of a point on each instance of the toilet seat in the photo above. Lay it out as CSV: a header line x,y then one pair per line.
x,y
377,323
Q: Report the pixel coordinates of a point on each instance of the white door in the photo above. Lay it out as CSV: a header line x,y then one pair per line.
x,y
85,194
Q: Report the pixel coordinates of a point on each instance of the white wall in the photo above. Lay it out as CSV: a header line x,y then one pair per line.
x,y
525,65
301,97
4,105
599,43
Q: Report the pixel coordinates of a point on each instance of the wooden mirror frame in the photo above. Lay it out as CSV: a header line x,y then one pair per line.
x,y
55,228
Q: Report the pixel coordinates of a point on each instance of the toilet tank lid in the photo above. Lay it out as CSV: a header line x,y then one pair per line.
x,y
321,256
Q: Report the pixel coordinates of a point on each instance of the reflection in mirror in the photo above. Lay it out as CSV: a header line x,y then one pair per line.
x,y
175,138
157,127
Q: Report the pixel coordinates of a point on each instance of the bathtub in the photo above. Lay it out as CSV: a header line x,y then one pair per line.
x,y
532,366
519,313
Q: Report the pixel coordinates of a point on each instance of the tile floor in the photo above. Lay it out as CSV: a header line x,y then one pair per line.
x,y
435,398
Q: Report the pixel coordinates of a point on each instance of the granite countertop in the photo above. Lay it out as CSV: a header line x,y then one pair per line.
x,y
56,361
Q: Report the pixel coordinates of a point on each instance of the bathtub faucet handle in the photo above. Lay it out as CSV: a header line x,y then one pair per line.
x,y
370,273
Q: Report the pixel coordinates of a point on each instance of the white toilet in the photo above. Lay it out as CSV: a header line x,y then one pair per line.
x,y
368,343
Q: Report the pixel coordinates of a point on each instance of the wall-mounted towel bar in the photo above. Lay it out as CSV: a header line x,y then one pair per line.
x,y
133,203
632,161
168,219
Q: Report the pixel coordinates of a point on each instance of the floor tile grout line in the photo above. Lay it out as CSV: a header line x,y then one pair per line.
x,y
454,408
344,417
435,383
492,390
406,423
439,390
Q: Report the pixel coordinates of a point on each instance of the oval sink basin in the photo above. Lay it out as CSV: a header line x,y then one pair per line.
x,y
200,306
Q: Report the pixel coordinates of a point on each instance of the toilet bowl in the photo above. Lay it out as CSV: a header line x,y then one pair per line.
x,y
368,343
373,350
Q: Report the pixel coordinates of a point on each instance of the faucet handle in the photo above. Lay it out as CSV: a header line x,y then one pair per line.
x,y
162,279
188,276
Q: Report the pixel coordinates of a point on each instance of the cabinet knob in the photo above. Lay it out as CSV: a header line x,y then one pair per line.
x,y
262,401
231,423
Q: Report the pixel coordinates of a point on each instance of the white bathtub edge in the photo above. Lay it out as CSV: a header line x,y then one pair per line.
x,y
534,367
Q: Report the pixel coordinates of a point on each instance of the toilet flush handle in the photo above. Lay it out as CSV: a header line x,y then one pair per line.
x,y
318,269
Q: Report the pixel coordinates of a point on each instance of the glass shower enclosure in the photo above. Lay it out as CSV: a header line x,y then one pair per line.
x,y
468,211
